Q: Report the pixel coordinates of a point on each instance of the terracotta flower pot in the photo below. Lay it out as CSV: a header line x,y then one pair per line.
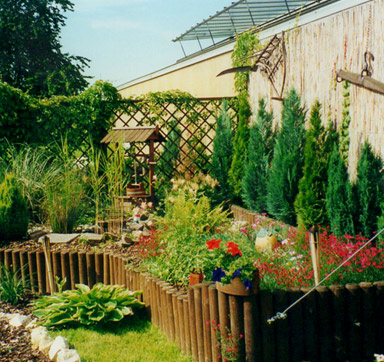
x,y
195,278
237,287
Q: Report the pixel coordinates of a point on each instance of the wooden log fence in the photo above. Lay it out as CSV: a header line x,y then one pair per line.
x,y
338,323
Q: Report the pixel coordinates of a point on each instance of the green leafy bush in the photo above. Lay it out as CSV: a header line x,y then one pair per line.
x,y
287,162
85,306
13,210
12,289
260,152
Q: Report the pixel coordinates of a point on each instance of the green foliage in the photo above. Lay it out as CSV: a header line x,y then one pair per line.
x,y
64,201
260,152
345,122
222,155
339,200
310,203
245,46
31,57
34,169
12,289
85,306
369,187
240,145
24,119
13,210
287,162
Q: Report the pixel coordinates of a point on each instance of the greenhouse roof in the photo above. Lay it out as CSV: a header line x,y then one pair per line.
x,y
243,15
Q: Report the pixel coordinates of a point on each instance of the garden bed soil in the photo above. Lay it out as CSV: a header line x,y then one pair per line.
x,y
15,342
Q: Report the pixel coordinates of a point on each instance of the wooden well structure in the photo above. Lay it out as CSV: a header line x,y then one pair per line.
x,y
145,135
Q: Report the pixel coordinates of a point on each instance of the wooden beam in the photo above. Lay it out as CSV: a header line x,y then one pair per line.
x,y
364,82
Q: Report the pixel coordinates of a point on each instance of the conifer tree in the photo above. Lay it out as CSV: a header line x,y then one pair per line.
x,y
310,203
240,145
339,200
369,190
222,154
287,162
260,151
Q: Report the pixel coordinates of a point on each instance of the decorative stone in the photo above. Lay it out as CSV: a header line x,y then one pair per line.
x,y
265,243
59,344
45,343
68,355
61,238
32,324
19,320
36,335
92,237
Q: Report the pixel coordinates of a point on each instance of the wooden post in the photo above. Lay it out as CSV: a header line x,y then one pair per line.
x,y
379,312
199,322
111,270
176,316
206,322
296,326
325,325
83,267
237,323
310,313
368,319
214,319
180,312
339,302
99,267
171,316
48,263
354,322
268,330
192,323
251,337
91,275
313,237
16,263
41,272
74,269
24,268
33,271
187,328
281,327
8,259
106,277
65,269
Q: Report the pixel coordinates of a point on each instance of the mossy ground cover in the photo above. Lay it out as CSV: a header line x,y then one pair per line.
x,y
134,339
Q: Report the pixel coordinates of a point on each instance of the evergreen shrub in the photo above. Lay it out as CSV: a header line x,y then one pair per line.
x,y
260,151
222,155
13,210
287,162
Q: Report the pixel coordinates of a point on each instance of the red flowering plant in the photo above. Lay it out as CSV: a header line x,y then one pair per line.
x,y
228,261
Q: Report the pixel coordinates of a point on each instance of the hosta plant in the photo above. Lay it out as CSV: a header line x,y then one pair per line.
x,y
85,306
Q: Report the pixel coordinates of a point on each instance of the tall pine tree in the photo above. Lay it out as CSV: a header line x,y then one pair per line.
x,y
240,146
222,154
339,200
369,190
310,203
260,151
287,162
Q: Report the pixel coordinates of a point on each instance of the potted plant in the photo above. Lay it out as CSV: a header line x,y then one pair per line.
x,y
233,272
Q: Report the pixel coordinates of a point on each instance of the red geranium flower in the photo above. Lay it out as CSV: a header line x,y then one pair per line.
x,y
233,249
213,244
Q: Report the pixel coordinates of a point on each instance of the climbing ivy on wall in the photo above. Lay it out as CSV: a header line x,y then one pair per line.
x,y
345,122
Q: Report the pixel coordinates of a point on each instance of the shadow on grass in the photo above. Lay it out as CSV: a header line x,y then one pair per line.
x,y
139,323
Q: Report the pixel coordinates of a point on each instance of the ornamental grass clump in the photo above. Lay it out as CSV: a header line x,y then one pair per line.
x,y
85,306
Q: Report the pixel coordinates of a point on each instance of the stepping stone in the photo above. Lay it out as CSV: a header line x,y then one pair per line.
x,y
60,238
91,236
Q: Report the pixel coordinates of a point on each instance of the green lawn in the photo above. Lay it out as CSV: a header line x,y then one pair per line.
x,y
132,340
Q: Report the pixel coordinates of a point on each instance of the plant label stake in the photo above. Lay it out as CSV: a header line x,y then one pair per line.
x,y
48,262
314,245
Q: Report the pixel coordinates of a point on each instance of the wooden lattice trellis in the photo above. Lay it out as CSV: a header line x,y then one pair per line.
x,y
195,121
